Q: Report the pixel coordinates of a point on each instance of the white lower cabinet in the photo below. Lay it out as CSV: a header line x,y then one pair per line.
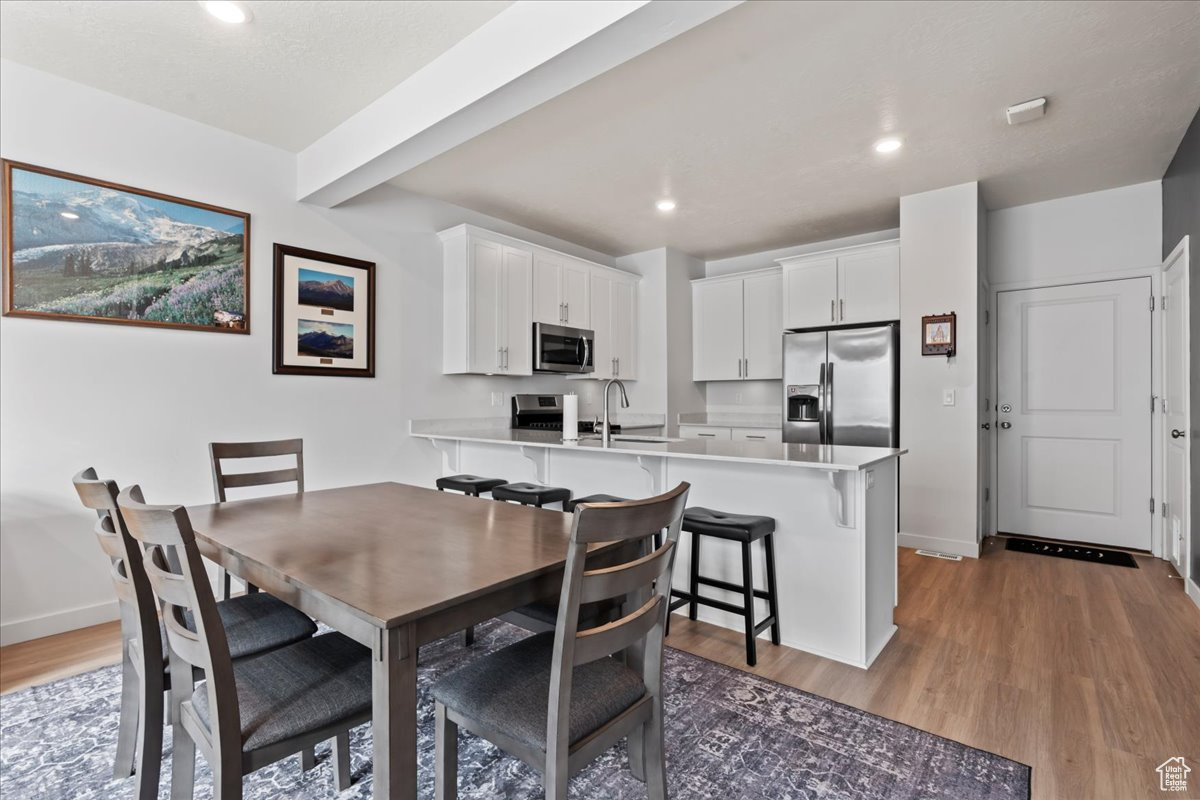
x,y
768,435
704,432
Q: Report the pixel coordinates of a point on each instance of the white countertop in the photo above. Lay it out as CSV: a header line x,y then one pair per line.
x,y
812,456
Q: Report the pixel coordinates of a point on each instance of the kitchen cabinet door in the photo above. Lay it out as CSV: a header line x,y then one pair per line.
x,y
704,432
601,307
575,283
769,435
484,298
717,323
518,311
762,325
624,327
547,289
869,286
810,293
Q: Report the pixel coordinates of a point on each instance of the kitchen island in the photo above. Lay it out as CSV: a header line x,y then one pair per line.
x,y
834,507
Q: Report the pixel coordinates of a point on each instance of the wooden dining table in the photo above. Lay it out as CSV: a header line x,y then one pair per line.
x,y
393,567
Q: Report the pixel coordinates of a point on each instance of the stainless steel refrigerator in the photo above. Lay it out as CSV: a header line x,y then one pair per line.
x,y
842,386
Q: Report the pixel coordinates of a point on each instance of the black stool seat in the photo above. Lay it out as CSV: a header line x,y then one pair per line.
x,y
469,484
531,494
594,498
735,527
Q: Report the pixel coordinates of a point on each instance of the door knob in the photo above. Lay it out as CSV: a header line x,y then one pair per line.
x,y
1005,425
1177,434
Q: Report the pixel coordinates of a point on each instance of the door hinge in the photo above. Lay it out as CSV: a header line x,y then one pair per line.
x,y
1164,509
1153,403
1151,302
1151,505
1164,302
1164,405
987,317
987,494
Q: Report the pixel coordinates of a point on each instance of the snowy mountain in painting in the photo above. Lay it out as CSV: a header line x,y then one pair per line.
x,y
104,216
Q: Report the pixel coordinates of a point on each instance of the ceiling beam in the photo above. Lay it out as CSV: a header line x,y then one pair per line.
x,y
529,53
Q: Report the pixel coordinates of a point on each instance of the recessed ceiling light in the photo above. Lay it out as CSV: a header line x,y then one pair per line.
x,y
227,11
68,215
666,204
889,145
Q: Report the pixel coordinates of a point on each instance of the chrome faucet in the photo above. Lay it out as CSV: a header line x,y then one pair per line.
x,y
606,429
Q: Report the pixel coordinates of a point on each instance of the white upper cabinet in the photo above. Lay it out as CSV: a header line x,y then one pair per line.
x,y
852,286
495,287
737,333
869,286
487,305
614,318
762,328
810,293
561,286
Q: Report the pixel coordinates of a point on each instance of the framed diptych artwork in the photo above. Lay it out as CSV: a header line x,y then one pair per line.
x,y
88,250
324,314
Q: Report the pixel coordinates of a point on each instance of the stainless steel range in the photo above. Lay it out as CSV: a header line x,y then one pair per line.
x,y
544,412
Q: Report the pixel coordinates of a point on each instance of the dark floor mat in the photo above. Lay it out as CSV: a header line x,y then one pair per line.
x,y
1079,552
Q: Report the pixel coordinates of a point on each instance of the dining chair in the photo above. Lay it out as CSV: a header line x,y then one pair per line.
x,y
246,713
557,700
221,451
259,623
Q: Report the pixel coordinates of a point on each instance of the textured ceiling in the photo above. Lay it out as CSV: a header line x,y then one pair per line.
x,y
761,121
294,73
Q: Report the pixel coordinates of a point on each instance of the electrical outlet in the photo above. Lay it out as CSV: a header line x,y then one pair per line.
x,y
497,399
947,397
737,398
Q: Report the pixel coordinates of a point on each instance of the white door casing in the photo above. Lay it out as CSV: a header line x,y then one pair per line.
x,y
1176,440
1074,390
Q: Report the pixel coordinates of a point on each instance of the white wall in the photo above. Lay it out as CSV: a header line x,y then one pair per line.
x,y
1086,234
939,267
140,404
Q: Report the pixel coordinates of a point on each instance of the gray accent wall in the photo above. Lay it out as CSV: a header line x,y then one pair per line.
x,y
1181,217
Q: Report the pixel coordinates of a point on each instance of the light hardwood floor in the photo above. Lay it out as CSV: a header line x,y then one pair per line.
x,y
1088,673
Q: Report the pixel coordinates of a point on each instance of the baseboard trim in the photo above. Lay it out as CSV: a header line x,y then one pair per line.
x,y
22,630
955,547
1193,590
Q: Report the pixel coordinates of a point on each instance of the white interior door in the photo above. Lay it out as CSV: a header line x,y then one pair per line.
x,y
1073,396
1176,502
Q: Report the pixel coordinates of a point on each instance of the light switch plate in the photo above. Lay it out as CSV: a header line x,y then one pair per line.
x,y
947,397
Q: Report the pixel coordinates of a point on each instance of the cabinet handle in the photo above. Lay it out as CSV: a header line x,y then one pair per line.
x,y
843,303
566,312
748,436
746,367
499,358
618,365
739,368
706,435
833,311
506,358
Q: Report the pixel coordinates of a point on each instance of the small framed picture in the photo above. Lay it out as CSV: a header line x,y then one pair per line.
x,y
324,314
937,335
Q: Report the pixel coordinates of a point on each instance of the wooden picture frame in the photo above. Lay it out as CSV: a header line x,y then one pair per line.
x,y
938,334
324,307
88,250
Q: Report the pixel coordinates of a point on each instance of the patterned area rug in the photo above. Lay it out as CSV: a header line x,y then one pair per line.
x,y
730,735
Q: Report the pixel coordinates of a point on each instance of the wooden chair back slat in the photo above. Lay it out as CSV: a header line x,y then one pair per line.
x,y
620,580
616,636
236,480
222,451
176,572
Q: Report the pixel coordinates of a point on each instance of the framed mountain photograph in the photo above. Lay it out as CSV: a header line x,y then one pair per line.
x,y
87,250
324,314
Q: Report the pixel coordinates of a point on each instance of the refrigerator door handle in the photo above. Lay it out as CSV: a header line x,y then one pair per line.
x,y
821,401
828,437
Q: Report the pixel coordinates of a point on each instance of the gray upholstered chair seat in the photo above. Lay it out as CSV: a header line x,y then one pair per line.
x,y
301,688
256,623
509,691
723,525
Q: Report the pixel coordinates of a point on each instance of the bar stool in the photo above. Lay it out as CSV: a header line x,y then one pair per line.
x,y
472,485
569,506
531,494
744,529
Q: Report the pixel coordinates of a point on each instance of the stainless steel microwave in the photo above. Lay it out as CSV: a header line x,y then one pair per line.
x,y
560,349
